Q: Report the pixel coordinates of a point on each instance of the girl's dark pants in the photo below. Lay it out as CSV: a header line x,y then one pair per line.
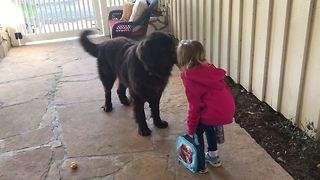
x,y
211,140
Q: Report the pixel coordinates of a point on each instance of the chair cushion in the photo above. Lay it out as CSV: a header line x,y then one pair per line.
x,y
138,8
127,11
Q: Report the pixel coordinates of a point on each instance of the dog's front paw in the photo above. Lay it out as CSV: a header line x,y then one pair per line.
x,y
107,108
144,131
161,124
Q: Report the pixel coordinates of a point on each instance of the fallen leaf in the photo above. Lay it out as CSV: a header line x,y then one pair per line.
x,y
280,159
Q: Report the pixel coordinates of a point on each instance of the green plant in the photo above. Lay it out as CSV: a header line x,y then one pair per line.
x,y
304,139
311,130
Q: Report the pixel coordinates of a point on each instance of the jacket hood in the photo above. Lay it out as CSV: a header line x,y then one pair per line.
x,y
205,75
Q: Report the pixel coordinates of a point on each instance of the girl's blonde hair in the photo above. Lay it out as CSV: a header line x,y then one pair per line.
x,y
190,54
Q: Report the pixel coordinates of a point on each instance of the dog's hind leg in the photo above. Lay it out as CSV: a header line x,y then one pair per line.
x,y
141,117
107,81
155,113
122,95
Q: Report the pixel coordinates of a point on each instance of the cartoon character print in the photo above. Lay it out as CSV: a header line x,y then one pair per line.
x,y
185,153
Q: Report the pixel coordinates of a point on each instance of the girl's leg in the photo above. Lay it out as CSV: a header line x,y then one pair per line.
x,y
199,132
211,138
201,160
212,155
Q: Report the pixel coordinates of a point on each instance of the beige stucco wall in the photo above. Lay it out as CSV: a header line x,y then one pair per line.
x,y
271,47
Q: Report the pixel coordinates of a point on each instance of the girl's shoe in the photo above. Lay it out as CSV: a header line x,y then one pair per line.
x,y
204,171
214,161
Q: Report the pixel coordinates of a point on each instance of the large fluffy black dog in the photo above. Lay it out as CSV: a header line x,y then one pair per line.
x,y
143,67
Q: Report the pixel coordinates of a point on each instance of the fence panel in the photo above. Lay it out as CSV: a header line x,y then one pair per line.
x,y
270,47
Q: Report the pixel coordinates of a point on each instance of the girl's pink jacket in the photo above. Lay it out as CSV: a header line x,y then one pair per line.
x,y
210,99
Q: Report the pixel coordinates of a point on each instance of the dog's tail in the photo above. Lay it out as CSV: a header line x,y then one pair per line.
x,y
88,46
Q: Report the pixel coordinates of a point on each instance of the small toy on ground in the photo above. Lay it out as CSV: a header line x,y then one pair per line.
x,y
73,165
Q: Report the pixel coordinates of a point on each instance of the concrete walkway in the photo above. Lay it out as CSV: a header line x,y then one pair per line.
x,y
50,99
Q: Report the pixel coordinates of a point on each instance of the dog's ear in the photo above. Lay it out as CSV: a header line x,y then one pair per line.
x,y
144,53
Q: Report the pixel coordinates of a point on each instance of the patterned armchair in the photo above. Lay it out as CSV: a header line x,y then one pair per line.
x,y
135,29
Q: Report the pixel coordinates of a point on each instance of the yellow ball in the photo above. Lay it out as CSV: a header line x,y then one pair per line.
x,y
73,165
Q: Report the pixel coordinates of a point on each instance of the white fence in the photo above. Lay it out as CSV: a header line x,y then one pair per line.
x,y
271,47
50,16
52,19
115,3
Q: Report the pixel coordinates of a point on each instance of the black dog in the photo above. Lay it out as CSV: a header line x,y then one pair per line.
x,y
143,67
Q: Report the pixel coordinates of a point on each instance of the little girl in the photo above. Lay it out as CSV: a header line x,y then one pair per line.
x,y
210,100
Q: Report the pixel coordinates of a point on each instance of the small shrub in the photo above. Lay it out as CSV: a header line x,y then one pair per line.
x,y
305,139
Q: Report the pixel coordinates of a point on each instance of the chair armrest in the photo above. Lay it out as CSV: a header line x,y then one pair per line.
x,y
125,28
115,14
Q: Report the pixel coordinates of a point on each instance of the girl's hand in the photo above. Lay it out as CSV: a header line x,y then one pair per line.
x,y
190,136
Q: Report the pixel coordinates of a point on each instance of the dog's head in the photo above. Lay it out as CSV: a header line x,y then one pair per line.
x,y
158,52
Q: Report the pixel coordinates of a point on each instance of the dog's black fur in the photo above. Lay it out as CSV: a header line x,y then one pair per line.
x,y
143,67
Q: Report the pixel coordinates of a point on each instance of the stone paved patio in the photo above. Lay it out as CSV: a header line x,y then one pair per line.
x,y
50,99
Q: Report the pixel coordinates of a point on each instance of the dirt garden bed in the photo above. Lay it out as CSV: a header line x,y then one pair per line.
x,y
298,154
